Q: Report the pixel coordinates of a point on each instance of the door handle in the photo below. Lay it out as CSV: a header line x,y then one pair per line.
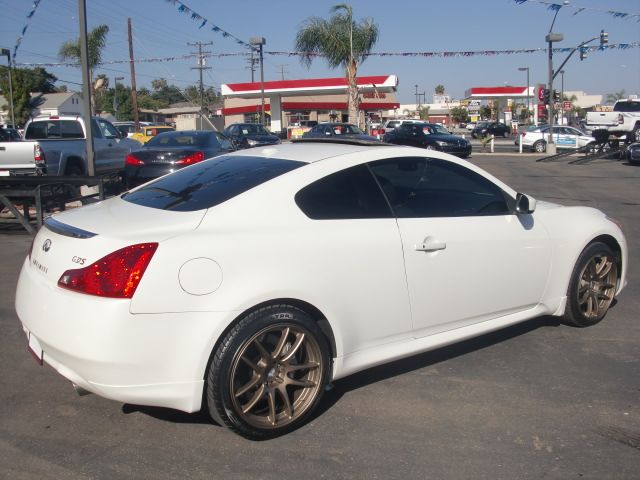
x,y
429,244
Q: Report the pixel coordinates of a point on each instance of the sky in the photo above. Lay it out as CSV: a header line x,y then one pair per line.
x,y
160,30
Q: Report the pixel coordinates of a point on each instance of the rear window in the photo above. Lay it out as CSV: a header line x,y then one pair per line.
x,y
184,139
627,107
209,183
49,129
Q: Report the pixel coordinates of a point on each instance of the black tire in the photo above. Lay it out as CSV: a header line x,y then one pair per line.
x,y
257,384
635,134
592,286
540,146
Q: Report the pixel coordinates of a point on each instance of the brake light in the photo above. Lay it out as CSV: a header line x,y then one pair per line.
x,y
117,275
38,153
195,157
131,159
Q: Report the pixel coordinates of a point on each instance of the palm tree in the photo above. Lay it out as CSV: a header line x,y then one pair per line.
x,y
342,42
439,89
614,97
96,41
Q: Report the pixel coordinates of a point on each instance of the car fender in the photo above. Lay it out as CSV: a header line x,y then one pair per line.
x,y
571,229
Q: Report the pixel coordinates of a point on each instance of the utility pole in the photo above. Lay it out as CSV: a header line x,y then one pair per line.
x,y
7,52
86,87
283,70
201,66
253,61
134,92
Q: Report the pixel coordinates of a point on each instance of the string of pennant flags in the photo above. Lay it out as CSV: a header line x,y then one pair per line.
x,y
578,9
30,15
195,16
586,49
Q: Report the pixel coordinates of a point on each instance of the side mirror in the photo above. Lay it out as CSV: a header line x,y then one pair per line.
x,y
525,204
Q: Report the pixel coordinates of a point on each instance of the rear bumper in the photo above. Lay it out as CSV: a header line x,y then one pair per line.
x,y
146,359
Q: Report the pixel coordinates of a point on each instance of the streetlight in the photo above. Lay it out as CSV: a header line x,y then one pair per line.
x,y
561,97
260,41
7,52
522,69
115,96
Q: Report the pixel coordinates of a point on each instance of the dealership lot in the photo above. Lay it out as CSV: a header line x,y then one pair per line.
x,y
536,400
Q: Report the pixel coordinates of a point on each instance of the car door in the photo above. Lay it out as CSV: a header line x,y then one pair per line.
x,y
110,154
563,137
468,257
351,228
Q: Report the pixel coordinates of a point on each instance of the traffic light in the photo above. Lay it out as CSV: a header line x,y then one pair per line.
x,y
583,53
556,96
547,96
604,38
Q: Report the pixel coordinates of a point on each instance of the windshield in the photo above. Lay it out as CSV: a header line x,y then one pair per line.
x,y
439,129
209,183
253,129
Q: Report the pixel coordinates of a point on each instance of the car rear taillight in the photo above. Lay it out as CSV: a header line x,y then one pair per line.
x,y
38,154
195,157
620,119
131,159
117,275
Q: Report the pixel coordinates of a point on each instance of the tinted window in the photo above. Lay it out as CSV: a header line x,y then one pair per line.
x,y
351,193
184,139
209,183
627,107
420,187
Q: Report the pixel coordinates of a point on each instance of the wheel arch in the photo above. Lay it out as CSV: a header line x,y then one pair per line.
x,y
314,312
70,161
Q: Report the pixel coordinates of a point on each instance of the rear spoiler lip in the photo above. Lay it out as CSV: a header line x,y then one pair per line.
x,y
67,230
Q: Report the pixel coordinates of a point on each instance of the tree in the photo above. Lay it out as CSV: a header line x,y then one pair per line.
x,y
440,90
614,97
423,112
342,42
25,82
485,111
459,114
96,41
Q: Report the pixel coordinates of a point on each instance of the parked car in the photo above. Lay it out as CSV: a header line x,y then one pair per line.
x,y
633,153
623,120
396,122
497,129
170,151
56,145
147,132
129,128
253,279
333,130
246,135
429,136
535,138
9,135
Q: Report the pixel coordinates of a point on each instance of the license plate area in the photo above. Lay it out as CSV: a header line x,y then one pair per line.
x,y
35,349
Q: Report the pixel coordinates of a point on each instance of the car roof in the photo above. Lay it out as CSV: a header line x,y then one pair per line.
x,y
313,150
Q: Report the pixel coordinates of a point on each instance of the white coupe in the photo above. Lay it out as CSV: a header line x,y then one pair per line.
x,y
246,283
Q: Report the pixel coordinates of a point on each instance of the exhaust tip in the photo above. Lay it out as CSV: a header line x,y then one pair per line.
x,y
80,391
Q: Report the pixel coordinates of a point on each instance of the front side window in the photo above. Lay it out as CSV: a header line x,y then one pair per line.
x,y
420,187
209,183
348,194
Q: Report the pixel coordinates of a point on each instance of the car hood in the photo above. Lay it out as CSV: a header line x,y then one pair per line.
x,y
443,137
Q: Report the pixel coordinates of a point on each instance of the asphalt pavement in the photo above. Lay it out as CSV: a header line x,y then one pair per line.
x,y
537,400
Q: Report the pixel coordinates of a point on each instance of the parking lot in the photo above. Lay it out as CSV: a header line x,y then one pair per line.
x,y
537,400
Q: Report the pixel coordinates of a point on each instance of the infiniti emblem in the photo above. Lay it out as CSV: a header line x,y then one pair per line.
x,y
46,246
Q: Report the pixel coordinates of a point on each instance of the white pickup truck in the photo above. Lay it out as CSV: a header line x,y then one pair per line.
x,y
56,145
624,120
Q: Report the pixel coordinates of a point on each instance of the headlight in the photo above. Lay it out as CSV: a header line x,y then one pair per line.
x,y
442,143
253,143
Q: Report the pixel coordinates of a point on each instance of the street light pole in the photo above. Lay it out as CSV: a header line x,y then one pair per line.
x,y
522,69
260,41
561,97
116,103
551,38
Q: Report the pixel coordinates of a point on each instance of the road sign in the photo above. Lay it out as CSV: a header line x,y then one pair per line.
x,y
566,105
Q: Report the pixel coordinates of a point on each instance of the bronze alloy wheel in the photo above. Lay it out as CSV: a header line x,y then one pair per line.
x,y
276,376
597,287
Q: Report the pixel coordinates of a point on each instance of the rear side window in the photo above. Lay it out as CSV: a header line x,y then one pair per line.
x,y
209,183
52,129
349,194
